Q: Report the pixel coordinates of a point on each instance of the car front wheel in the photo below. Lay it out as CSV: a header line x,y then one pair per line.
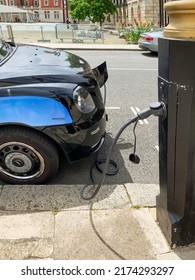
x,y
26,157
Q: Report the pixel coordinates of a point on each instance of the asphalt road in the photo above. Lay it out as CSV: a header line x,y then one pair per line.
x,y
132,85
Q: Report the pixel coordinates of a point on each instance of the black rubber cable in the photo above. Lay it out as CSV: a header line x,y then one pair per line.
x,y
111,162
135,137
107,161
97,163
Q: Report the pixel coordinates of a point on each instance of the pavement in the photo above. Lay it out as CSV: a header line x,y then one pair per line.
x,y
52,222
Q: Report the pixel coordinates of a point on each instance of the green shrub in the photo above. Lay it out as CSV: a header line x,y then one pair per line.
x,y
132,33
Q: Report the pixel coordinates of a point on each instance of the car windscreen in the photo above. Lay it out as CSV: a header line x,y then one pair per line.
x,y
5,50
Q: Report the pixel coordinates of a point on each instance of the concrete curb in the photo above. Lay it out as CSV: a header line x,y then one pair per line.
x,y
95,47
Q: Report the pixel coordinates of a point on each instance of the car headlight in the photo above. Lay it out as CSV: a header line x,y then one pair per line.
x,y
83,100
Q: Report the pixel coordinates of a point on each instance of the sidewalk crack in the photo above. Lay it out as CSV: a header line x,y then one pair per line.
x,y
129,198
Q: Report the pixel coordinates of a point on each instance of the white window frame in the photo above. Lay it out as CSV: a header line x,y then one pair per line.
x,y
56,14
46,3
55,3
26,3
47,14
36,3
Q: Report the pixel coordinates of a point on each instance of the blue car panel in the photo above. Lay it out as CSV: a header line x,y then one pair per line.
x,y
33,111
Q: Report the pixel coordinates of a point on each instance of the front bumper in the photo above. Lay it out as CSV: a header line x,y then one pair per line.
x,y
79,141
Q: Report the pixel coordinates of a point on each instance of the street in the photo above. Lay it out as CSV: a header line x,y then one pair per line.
x,y
132,85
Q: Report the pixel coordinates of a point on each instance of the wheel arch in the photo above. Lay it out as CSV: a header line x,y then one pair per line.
x,y
38,131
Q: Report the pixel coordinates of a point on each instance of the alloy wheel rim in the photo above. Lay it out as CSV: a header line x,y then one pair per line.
x,y
20,161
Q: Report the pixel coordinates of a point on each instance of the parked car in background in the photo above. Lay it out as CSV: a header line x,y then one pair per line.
x,y
149,40
51,105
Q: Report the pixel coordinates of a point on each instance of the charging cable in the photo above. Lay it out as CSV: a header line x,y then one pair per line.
x,y
156,109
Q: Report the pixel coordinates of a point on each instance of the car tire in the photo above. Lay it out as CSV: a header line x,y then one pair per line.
x,y
26,157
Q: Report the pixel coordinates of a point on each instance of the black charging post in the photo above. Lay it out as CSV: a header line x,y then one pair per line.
x,y
176,202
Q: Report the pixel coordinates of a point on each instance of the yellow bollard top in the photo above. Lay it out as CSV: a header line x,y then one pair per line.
x,y
181,19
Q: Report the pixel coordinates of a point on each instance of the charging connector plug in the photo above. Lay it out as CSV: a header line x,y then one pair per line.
x,y
156,109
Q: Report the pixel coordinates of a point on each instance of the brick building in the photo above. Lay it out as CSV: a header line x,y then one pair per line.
x,y
50,11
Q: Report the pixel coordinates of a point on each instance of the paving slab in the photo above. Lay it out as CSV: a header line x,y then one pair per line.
x,y
57,197
40,198
26,225
26,235
153,233
143,194
26,249
100,235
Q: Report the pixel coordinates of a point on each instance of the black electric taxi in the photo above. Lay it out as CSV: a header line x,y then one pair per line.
x,y
50,105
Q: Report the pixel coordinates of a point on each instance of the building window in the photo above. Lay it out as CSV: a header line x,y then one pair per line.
x,y
1,2
26,3
11,2
55,2
36,3
56,14
47,14
46,2
36,15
